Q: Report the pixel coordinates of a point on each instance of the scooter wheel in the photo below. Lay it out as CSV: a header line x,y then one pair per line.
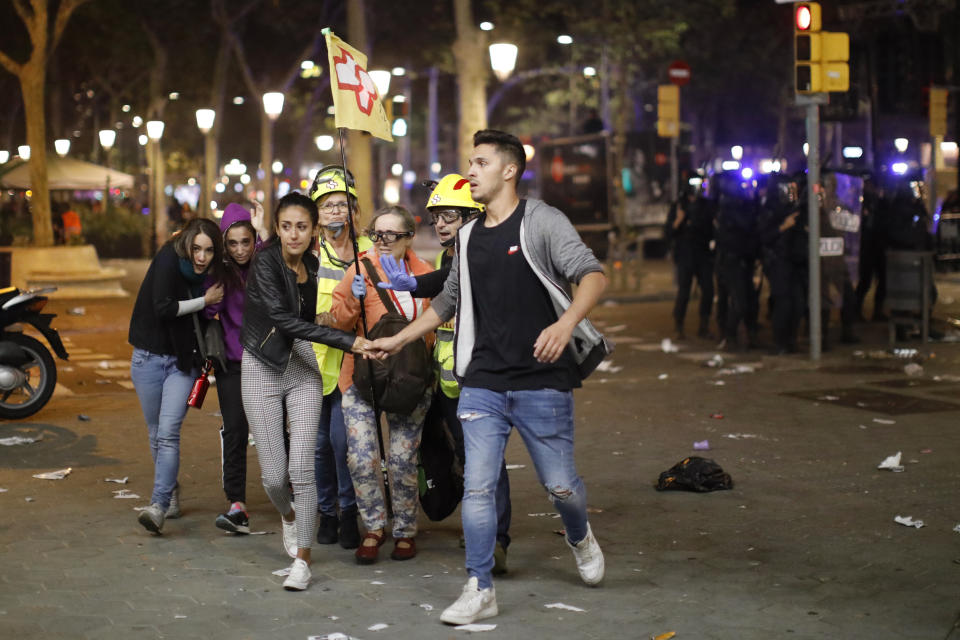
x,y
41,372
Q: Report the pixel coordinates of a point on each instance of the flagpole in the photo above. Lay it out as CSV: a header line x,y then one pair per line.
x,y
363,322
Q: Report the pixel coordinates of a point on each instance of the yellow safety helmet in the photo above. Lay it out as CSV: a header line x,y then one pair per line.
x,y
453,191
332,179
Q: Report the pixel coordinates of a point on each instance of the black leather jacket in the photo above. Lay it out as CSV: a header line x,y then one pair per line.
x,y
271,315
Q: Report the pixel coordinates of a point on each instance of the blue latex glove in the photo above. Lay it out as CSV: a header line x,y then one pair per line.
x,y
398,278
358,287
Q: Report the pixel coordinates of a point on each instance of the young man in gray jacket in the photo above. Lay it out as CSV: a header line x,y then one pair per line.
x,y
522,346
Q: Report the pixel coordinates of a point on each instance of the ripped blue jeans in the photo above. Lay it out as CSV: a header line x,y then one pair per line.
x,y
544,419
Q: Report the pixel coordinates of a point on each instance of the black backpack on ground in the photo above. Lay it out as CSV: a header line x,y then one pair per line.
x,y
694,474
400,380
439,475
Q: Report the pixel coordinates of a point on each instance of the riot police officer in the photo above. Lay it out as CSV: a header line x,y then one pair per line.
x,y
689,228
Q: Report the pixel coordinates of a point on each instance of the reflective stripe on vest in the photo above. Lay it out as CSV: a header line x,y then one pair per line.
x,y
443,351
329,276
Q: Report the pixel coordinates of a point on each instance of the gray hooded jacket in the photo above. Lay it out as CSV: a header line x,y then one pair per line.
x,y
558,257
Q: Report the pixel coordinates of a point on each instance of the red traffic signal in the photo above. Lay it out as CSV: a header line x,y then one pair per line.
x,y
806,16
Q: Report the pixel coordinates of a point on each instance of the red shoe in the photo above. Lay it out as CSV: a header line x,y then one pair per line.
x,y
404,553
368,554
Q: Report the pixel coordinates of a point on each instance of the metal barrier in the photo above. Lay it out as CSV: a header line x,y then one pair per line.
x,y
909,283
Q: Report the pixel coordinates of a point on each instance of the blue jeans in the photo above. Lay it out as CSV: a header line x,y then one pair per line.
x,y
544,419
163,390
330,460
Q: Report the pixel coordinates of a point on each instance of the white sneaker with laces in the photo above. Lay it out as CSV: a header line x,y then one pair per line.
x,y
173,511
152,518
589,558
472,605
299,576
290,537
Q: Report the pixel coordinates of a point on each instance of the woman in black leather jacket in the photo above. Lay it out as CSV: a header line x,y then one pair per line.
x,y
279,373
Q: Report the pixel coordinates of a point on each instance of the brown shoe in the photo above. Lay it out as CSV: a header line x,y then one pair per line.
x,y
404,552
367,554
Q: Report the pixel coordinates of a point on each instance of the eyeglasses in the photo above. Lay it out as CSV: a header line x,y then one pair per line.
x,y
447,215
388,237
330,207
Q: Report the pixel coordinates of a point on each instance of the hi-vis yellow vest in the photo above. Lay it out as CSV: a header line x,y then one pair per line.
x,y
329,276
443,351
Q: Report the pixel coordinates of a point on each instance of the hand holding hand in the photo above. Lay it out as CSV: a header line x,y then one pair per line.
x,y
360,346
213,295
383,347
398,278
358,287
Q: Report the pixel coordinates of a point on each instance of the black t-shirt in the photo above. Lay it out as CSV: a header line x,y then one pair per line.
x,y
512,308
308,300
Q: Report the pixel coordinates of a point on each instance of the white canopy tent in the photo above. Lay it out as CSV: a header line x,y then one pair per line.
x,y
68,174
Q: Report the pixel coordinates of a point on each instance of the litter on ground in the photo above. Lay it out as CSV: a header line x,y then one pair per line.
x,y
663,376
667,346
908,521
701,445
608,367
884,421
892,463
740,436
474,627
511,467
380,626
124,493
60,474
913,370
122,480
565,607
15,440
282,572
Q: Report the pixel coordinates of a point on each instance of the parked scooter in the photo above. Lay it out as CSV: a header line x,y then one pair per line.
x,y
28,373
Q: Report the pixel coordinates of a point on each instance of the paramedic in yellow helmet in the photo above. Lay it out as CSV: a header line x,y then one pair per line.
x,y
450,206
336,499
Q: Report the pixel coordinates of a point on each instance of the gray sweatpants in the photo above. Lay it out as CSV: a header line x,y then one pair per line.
x,y
265,394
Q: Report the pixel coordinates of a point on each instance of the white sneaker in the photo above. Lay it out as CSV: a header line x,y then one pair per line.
x,y
290,537
299,576
151,518
589,558
472,605
173,511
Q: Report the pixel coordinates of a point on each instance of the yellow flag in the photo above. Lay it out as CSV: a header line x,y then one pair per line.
x,y
356,102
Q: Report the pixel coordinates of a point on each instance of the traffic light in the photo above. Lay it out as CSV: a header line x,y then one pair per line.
x,y
820,57
938,112
668,111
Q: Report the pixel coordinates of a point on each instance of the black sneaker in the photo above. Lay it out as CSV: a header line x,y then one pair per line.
x,y
234,522
327,531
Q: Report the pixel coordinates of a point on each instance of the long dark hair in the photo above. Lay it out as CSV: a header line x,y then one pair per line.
x,y
231,269
183,241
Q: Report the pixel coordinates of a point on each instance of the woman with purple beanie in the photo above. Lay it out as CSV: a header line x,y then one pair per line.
x,y
242,236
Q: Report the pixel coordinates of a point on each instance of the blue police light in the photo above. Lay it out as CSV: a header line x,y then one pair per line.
x,y
747,173
899,168
852,153
730,165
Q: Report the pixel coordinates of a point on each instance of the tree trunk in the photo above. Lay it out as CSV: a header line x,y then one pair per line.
x,y
359,144
469,52
32,86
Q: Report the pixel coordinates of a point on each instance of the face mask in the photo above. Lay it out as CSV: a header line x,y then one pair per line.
x,y
337,228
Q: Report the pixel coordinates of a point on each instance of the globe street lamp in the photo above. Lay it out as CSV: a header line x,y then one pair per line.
x,y
157,178
324,143
4,156
272,107
62,146
381,78
205,120
24,151
107,138
503,59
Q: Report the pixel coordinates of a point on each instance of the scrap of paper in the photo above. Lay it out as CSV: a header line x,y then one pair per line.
x,y
476,627
908,521
54,475
565,607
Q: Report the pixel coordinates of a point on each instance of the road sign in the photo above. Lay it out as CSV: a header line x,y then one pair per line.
x,y
679,72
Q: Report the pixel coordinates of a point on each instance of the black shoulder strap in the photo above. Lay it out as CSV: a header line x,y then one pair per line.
x,y
375,279
200,342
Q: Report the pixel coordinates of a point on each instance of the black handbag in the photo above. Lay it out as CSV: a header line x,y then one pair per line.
x,y
210,341
400,381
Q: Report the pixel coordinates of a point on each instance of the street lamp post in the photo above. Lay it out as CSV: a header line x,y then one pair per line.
x,y
157,178
205,120
62,146
107,138
503,59
272,107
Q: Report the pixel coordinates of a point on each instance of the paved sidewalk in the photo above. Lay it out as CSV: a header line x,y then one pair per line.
x,y
804,546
